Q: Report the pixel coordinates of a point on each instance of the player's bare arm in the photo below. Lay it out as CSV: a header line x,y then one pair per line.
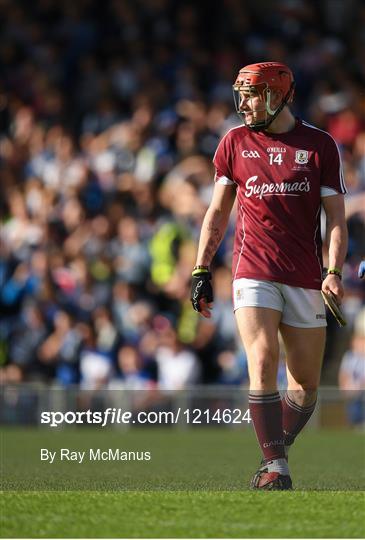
x,y
336,232
215,223
214,226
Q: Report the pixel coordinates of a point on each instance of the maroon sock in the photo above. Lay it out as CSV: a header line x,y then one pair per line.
x,y
266,414
295,418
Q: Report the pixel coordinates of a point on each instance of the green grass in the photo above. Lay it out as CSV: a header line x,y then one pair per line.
x,y
184,514
194,486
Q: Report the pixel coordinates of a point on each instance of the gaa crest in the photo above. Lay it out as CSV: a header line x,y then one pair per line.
x,y
301,157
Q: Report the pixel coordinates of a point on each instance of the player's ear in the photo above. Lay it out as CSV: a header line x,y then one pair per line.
x,y
291,97
276,98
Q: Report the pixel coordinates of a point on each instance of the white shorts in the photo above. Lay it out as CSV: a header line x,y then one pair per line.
x,y
303,308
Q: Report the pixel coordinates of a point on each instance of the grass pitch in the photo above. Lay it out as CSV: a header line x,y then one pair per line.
x,y
194,486
184,514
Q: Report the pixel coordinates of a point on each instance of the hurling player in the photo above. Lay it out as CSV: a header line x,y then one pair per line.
x,y
282,171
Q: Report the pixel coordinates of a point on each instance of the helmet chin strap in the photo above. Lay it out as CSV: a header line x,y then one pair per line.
x,y
273,113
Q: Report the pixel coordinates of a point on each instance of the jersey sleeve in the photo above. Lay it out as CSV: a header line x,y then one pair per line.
x,y
222,161
332,178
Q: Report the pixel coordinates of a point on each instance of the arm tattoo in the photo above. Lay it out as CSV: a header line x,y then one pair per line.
x,y
215,236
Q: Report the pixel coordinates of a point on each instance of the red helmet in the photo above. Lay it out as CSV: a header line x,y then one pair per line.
x,y
260,79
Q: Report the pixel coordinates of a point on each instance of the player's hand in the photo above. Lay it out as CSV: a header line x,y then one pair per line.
x,y
202,293
361,272
333,284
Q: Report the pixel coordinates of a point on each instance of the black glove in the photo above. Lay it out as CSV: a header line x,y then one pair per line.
x,y
201,287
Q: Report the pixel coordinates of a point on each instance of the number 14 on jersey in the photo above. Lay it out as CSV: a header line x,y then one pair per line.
x,y
275,159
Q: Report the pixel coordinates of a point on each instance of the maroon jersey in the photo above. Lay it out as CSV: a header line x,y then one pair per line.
x,y
280,180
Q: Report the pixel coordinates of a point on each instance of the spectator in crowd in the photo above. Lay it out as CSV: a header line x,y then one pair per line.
x,y
133,373
177,366
352,373
110,114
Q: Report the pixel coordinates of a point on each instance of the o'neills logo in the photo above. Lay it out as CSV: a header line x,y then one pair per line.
x,y
283,188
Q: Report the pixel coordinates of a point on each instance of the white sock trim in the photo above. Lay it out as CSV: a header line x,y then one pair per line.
x,y
278,465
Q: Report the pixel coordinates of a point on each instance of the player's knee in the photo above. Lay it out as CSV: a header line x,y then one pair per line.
x,y
305,387
264,371
264,354
302,394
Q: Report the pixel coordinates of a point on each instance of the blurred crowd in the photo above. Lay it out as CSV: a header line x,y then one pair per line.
x,y
110,113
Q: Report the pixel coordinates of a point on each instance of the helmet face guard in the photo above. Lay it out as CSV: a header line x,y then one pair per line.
x,y
259,80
